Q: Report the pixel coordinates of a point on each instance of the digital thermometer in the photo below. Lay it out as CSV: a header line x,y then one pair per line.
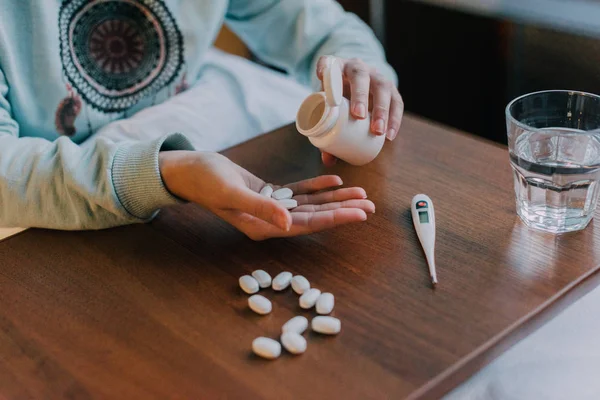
x,y
424,220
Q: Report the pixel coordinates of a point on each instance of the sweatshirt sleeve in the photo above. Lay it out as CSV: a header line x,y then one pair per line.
x,y
61,185
293,34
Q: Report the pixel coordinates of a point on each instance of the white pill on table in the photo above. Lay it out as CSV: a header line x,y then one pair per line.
x,y
297,324
248,284
300,284
325,303
326,325
260,304
263,278
288,203
283,193
266,348
266,191
282,281
293,342
309,298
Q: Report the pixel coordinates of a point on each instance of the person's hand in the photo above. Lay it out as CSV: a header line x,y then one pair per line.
x,y
229,191
368,90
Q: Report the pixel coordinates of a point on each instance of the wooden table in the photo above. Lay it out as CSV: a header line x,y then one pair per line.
x,y
154,311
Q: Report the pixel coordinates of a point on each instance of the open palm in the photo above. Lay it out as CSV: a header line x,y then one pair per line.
x,y
231,192
321,205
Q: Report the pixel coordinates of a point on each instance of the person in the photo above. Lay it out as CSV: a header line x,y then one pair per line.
x,y
113,109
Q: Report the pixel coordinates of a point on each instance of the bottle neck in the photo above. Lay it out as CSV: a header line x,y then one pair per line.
x,y
315,117
329,121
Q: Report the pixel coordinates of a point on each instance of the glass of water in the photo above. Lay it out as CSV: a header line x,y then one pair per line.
x,y
554,146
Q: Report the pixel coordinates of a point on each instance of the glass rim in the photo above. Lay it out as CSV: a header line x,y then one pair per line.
x,y
523,96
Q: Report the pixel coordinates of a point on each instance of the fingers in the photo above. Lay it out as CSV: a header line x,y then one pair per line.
x,y
332,196
315,184
304,223
367,86
382,97
396,113
254,228
309,222
358,74
328,159
365,205
266,209
321,65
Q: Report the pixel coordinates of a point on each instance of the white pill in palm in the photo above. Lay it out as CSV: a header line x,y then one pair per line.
x,y
266,191
293,342
288,203
283,193
248,284
300,284
326,325
309,298
260,304
297,324
282,281
263,278
266,348
325,303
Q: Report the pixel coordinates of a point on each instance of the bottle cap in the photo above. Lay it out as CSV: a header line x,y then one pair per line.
x,y
333,82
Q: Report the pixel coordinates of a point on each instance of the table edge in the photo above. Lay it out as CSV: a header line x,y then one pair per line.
x,y
467,366
17,232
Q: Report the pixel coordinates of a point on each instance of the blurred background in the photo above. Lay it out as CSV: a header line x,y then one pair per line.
x,y
460,61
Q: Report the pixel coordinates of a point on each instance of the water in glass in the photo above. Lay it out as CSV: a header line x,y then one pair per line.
x,y
556,177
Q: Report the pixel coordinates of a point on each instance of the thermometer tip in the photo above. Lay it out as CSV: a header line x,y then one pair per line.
x,y
434,283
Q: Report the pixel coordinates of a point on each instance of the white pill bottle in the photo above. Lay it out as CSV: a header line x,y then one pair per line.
x,y
324,117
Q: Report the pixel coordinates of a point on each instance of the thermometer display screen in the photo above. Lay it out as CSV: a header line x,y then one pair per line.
x,y
423,217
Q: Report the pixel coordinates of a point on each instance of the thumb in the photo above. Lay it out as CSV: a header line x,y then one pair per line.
x,y
323,62
267,209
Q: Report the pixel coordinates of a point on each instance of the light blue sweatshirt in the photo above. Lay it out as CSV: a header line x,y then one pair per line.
x,y
68,68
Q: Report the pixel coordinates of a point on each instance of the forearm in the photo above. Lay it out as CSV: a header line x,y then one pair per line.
x,y
61,185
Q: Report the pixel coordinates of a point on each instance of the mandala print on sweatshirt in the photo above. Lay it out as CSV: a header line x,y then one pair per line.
x,y
115,53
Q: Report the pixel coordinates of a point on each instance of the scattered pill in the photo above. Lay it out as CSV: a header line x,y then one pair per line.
x,y
288,203
293,342
282,194
260,304
263,278
282,281
326,325
291,332
300,284
309,298
325,303
297,324
248,284
266,191
266,348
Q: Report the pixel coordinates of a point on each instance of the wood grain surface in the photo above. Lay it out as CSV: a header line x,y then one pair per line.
x,y
154,311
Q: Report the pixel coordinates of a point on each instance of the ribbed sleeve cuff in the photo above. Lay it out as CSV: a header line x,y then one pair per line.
x,y
136,175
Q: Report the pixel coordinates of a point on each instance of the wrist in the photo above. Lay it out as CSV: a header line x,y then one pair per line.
x,y
169,165
136,177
